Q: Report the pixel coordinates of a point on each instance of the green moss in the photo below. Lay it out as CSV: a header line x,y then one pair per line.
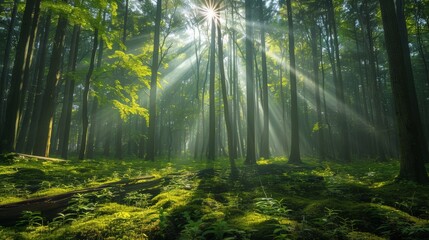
x,y
172,199
363,236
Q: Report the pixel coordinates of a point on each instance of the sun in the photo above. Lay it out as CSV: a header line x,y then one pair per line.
x,y
210,11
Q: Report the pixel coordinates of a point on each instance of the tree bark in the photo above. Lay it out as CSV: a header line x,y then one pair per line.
x,y
408,117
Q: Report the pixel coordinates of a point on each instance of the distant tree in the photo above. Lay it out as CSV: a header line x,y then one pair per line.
x,y
407,115
211,148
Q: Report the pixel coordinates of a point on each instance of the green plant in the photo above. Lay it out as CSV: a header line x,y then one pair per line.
x,y
31,219
138,199
271,207
192,229
220,230
337,226
81,205
282,231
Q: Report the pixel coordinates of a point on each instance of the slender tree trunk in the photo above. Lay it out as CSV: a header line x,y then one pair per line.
x,y
44,131
10,126
232,152
265,146
6,57
250,89
374,87
66,113
344,146
314,51
85,96
212,119
295,149
94,109
37,104
25,117
151,146
408,117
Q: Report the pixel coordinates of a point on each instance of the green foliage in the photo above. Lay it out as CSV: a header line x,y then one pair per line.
x,y
271,207
31,219
138,199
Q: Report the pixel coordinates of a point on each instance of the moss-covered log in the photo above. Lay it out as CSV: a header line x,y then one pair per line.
x,y
50,206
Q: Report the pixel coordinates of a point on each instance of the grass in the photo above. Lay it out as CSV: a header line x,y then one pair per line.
x,y
273,200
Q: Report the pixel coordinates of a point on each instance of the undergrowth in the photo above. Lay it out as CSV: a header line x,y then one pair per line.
x,y
272,200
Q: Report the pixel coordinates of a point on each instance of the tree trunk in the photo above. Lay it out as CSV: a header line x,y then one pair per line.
x,y
212,124
85,94
378,122
10,126
314,51
295,150
265,138
408,117
344,146
232,152
6,59
37,104
150,155
250,89
44,131
66,113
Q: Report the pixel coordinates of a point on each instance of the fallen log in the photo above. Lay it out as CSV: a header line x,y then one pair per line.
x,y
50,206
41,158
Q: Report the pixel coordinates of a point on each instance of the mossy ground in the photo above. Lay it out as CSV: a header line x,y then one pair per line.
x,y
273,200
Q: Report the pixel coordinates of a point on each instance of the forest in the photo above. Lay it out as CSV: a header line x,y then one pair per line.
x,y
214,119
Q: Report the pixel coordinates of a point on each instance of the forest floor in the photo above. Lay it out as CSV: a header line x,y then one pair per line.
x,y
186,199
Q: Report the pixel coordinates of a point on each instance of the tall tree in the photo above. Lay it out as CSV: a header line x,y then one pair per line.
x,y
232,153
153,84
265,144
85,95
10,127
37,102
295,155
44,130
316,63
407,115
211,149
344,146
6,57
250,82
66,112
